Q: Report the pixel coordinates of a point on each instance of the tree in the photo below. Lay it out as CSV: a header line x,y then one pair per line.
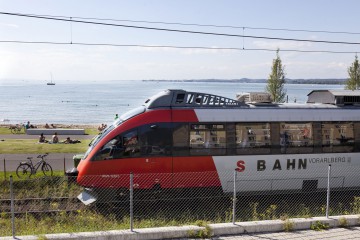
x,y
353,82
276,80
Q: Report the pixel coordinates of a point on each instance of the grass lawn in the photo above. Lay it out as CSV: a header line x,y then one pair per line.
x,y
23,146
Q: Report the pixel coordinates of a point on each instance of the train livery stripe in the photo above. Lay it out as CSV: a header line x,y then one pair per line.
x,y
184,116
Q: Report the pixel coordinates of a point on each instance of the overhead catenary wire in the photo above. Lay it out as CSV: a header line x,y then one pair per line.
x,y
183,31
175,47
199,25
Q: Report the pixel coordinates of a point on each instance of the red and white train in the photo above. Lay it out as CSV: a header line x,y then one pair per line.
x,y
181,139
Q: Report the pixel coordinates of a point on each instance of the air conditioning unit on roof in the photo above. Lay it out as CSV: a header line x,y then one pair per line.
x,y
254,97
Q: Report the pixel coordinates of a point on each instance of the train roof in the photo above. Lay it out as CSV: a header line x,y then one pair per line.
x,y
335,97
178,98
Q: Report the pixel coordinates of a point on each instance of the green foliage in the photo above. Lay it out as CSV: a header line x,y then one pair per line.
x,y
355,205
203,233
276,80
343,222
255,214
319,226
288,225
305,211
353,82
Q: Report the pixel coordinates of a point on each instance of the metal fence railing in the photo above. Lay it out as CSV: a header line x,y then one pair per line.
x,y
40,205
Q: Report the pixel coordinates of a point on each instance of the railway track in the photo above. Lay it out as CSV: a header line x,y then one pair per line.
x,y
41,205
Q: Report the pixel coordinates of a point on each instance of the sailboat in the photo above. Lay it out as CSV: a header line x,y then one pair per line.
x,y
51,81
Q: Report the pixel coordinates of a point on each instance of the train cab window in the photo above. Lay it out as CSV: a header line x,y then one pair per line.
x,y
207,139
131,144
337,137
296,137
122,146
155,139
253,138
108,151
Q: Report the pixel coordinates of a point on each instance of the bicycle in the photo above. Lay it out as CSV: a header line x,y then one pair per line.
x,y
26,169
15,129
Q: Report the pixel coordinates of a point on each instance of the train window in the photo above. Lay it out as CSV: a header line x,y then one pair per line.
x,y
131,144
253,138
180,98
122,146
337,137
180,139
110,150
296,137
155,139
207,139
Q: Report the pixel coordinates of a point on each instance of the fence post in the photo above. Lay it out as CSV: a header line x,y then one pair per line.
x,y
131,202
328,192
4,169
234,198
64,165
12,207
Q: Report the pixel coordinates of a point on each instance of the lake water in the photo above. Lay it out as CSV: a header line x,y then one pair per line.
x,y
95,102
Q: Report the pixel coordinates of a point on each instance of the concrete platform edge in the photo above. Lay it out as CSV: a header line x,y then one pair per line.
x,y
219,229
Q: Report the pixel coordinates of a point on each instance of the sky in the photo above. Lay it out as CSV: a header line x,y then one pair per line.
x,y
103,52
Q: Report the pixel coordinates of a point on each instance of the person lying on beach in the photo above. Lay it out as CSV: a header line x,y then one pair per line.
x,y
68,140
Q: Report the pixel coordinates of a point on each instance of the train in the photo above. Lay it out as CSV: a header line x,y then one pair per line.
x,y
180,139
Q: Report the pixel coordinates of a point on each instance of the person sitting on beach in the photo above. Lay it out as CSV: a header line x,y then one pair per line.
x,y
55,138
53,126
42,138
47,125
102,127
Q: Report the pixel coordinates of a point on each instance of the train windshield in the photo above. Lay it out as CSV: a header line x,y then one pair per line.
x,y
117,122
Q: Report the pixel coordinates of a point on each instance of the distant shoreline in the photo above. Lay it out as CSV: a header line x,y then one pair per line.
x,y
248,80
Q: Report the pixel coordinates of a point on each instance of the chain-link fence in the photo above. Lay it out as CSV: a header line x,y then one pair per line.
x,y
40,205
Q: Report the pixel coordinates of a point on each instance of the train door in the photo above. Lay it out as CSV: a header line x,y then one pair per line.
x,y
155,142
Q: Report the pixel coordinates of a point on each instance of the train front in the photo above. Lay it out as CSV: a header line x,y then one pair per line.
x,y
105,162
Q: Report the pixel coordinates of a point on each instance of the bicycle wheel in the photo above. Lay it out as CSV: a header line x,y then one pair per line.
x,y
47,169
23,170
13,130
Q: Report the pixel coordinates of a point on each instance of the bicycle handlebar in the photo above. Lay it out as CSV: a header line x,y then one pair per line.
x,y
42,156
